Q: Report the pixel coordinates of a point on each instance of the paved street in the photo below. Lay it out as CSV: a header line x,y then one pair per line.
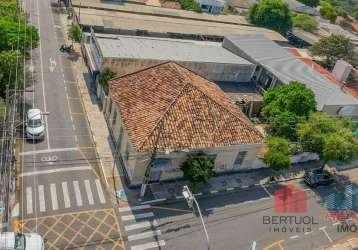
x,y
61,194
234,221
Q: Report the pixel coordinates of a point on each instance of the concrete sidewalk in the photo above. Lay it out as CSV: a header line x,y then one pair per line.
x,y
98,126
168,191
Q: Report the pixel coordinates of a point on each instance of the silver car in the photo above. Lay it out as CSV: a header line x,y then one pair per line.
x,y
35,126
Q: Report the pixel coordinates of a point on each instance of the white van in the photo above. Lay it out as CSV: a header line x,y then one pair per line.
x,y
20,241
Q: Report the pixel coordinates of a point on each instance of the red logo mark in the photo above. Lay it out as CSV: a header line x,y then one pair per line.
x,y
289,199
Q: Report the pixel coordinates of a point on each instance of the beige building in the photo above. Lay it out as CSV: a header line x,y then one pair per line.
x,y
160,115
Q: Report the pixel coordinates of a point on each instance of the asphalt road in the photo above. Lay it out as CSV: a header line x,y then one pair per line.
x,y
235,221
60,187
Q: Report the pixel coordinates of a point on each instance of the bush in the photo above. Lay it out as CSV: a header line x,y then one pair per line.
x,y
198,169
105,76
190,5
75,33
305,22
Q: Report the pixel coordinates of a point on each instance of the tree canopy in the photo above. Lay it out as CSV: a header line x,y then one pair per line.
x,y
285,106
198,169
333,48
278,153
311,3
305,22
17,37
327,11
272,14
330,137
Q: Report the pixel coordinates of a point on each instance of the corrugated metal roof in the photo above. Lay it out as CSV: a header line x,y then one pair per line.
x,y
287,68
167,49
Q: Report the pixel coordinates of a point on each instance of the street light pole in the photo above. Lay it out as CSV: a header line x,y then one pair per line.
x,y
190,198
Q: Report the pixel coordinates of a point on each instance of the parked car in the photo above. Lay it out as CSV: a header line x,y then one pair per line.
x,y
20,241
35,125
317,177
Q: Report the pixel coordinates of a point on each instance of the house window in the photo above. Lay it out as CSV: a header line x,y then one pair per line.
x,y
240,158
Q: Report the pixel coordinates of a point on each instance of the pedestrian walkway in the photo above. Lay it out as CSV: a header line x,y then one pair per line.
x,y
140,227
63,195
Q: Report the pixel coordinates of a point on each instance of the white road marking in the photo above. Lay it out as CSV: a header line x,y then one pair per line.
x,y
100,191
144,224
51,171
336,224
66,196
323,229
294,237
126,209
267,192
308,232
29,209
149,245
144,235
42,79
89,192
42,198
54,196
137,216
76,187
48,151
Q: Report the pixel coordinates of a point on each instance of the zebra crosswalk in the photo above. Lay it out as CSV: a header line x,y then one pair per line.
x,y
63,195
140,226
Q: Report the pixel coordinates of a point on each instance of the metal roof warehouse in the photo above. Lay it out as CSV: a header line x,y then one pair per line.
x,y
279,66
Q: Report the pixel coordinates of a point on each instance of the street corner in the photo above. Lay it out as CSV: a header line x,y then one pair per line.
x,y
95,229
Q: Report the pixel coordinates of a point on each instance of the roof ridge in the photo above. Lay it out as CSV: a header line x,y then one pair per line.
x,y
168,108
213,100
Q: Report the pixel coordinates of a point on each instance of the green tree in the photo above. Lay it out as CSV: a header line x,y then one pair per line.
x,y
327,11
10,11
333,48
305,22
284,124
12,34
8,64
75,33
272,14
278,153
311,3
285,106
198,169
330,137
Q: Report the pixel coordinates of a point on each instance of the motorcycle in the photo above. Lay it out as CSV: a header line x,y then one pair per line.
x,y
65,48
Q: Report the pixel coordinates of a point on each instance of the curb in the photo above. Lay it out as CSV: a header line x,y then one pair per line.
x,y
213,193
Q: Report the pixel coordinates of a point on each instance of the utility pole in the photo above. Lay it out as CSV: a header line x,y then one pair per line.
x,y
191,200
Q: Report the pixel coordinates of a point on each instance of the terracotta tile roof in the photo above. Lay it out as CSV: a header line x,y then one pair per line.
x,y
173,108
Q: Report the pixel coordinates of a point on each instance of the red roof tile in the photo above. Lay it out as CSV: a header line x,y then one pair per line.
x,y
170,107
